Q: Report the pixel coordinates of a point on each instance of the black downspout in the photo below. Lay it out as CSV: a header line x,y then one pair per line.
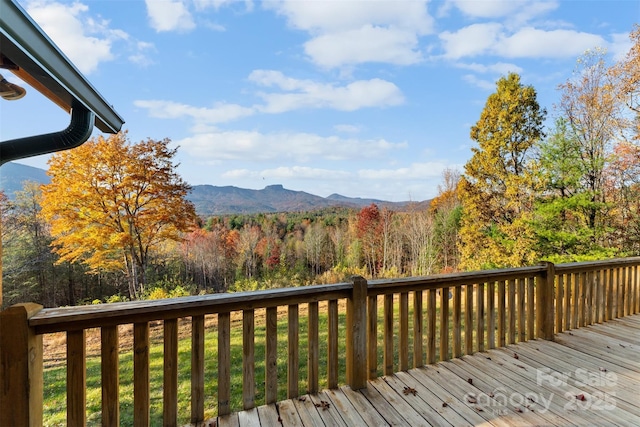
x,y
78,131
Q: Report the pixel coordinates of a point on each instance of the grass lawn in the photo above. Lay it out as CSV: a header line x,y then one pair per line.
x,y
55,373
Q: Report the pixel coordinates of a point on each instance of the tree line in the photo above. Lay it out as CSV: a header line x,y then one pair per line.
x,y
114,223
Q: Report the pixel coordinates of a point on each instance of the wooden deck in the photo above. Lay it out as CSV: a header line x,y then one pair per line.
x,y
587,377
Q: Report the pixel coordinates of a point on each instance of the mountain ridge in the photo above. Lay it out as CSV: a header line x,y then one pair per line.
x,y
210,200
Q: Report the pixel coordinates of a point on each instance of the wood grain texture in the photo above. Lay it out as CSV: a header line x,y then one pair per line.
x,y
141,393
110,376
76,378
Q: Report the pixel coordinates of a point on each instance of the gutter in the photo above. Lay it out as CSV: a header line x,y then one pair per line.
x,y
78,131
31,55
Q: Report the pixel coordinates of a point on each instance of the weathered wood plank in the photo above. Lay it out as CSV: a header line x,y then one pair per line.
x,y
444,323
480,315
288,413
457,319
224,363
356,332
511,306
382,405
110,376
332,345
329,413
372,333
411,407
418,335
76,379
269,416
559,303
141,393
566,303
21,367
491,315
271,374
501,314
468,319
531,312
370,416
197,368
403,344
387,351
170,377
293,344
313,353
522,333
308,412
248,359
431,326
249,418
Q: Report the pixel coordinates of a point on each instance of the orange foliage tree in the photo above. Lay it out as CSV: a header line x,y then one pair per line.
x,y
110,203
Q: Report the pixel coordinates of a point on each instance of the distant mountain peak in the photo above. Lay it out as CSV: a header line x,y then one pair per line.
x,y
275,187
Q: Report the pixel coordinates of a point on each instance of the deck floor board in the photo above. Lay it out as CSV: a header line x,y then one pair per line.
x,y
525,384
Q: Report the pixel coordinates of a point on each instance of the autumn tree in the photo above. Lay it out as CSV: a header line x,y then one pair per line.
x,y
623,181
496,190
591,105
110,203
446,209
369,224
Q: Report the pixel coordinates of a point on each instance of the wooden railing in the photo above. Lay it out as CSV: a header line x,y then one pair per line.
x,y
423,320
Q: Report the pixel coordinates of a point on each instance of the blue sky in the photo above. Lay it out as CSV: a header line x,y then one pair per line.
x,y
362,98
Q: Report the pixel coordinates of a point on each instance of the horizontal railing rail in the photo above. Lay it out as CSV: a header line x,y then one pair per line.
x,y
382,326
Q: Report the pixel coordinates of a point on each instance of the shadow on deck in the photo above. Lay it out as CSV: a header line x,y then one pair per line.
x,y
587,376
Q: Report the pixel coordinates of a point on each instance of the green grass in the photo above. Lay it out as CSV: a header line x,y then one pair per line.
x,y
55,377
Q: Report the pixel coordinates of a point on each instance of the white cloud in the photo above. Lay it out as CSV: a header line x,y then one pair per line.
x,y
217,4
414,171
169,15
282,147
86,41
534,43
347,128
352,32
365,44
141,57
499,67
518,11
620,46
288,172
309,94
474,40
527,42
299,94
478,82
220,113
335,16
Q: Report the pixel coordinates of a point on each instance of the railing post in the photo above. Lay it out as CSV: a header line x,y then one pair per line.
x,y
20,367
544,302
357,334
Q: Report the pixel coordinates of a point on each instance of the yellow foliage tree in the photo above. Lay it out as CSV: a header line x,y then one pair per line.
x,y
110,203
497,188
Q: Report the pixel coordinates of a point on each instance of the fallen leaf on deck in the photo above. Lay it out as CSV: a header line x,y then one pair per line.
x,y
515,356
479,409
409,390
472,399
470,380
323,404
445,404
518,410
603,369
302,399
581,397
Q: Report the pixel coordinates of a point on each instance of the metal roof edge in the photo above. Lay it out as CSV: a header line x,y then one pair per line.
x,y
43,66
